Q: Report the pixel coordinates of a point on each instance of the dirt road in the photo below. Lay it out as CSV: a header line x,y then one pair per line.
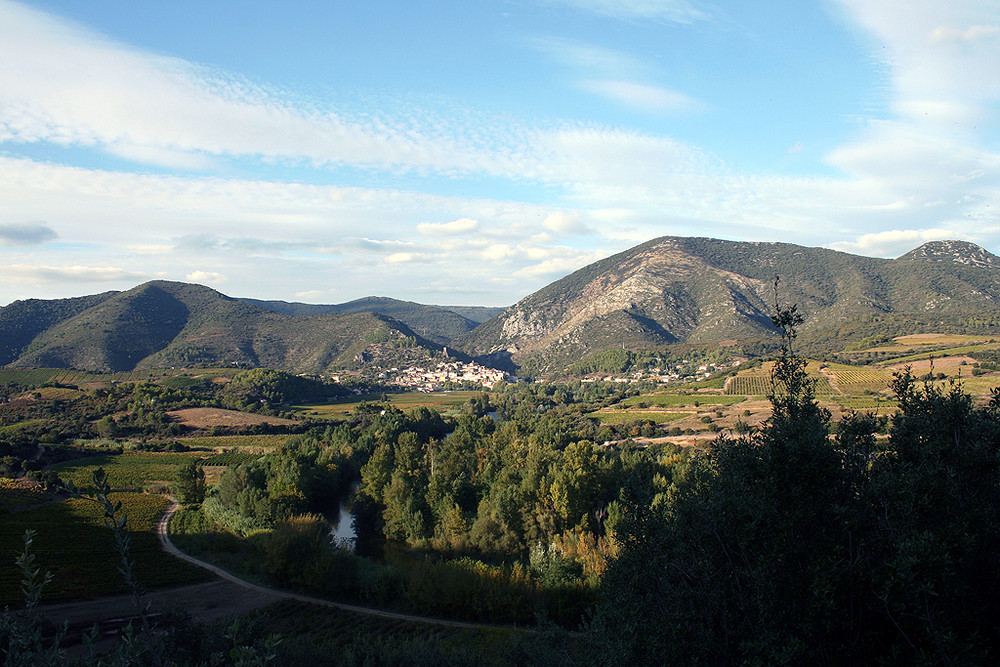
x,y
209,601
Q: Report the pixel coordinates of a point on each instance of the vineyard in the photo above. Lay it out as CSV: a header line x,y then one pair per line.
x,y
74,544
682,400
259,444
858,380
341,633
15,495
126,471
233,457
761,385
748,385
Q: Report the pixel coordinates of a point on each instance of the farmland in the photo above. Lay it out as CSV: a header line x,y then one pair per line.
x,y
73,543
444,402
132,471
251,443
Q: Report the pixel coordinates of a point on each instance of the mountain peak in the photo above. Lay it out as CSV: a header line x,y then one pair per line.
x,y
958,252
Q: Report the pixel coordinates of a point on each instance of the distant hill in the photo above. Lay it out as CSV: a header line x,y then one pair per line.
x,y
700,290
163,324
441,324
670,290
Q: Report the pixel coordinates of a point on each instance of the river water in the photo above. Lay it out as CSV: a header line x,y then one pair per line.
x,y
343,528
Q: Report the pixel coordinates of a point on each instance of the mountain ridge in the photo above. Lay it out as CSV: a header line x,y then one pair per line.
x,y
666,291
706,291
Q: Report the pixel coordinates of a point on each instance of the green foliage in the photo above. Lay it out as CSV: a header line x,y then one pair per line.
x,y
781,547
190,483
274,387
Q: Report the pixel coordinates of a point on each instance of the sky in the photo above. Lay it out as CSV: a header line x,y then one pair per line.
x,y
469,153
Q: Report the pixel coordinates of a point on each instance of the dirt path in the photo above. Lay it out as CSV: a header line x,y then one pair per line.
x,y
164,535
206,602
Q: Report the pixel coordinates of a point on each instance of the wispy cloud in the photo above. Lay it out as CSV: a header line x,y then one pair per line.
x,y
460,226
680,11
616,76
38,274
641,96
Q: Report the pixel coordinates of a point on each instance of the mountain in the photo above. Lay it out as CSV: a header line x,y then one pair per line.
x,y
704,291
669,290
22,321
162,324
441,324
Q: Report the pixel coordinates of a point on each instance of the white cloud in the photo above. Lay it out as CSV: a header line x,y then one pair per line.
x,y
29,273
554,267
498,252
407,257
892,243
566,223
64,84
205,277
460,226
943,34
641,96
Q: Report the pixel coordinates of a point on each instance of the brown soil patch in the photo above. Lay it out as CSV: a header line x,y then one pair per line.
x,y
209,417
942,364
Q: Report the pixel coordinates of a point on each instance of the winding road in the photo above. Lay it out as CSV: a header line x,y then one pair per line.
x,y
163,532
210,601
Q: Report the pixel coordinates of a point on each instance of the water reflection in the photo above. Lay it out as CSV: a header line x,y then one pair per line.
x,y
342,534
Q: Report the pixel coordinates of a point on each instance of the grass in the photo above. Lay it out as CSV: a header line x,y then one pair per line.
x,y
682,400
627,416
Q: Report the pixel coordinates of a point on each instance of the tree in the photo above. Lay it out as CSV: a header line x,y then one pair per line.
x,y
190,483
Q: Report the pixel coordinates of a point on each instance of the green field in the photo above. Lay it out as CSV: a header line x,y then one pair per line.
x,y
73,543
951,351
131,471
444,402
254,443
682,400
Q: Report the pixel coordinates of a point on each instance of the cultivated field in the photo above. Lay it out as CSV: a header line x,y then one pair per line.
x,y
208,417
445,402
73,544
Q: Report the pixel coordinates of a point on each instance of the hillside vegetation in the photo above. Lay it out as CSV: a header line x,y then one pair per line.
x,y
708,291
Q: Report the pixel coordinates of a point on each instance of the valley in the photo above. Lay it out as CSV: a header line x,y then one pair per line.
x,y
542,489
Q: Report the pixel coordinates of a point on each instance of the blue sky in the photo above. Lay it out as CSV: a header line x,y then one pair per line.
x,y
472,152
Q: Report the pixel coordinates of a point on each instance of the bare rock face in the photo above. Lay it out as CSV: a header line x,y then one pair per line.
x,y
958,252
705,291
